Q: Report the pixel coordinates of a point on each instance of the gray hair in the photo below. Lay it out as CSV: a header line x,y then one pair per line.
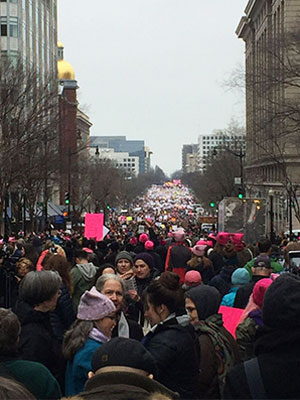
x,y
106,277
39,286
10,329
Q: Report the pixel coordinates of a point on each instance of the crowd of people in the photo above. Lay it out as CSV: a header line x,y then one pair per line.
x,y
156,310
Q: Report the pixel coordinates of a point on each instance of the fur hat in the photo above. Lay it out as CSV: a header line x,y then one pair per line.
x,y
124,255
146,257
94,305
124,352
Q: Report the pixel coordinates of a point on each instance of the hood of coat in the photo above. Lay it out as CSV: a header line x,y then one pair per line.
x,y
88,271
207,300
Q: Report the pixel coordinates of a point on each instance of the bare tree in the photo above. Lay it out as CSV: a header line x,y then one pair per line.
x,y
28,131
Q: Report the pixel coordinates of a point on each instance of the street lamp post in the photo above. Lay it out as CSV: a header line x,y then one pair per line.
x,y
271,196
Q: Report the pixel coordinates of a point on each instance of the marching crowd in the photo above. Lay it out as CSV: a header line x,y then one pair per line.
x,y
156,310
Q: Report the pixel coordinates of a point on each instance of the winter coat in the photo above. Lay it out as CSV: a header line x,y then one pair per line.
x,y
228,299
207,273
109,385
63,316
245,334
174,349
222,281
218,260
135,330
135,309
78,369
211,364
37,342
82,279
34,376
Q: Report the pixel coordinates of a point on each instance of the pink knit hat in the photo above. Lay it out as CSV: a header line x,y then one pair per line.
x,y
202,242
199,250
259,290
149,245
222,238
143,237
94,305
192,278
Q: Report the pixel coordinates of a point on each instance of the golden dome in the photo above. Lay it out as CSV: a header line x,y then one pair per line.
x,y
65,70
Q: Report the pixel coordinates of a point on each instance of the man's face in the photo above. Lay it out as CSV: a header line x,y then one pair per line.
x,y
113,290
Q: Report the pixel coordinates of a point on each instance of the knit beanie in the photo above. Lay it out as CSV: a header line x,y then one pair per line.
x,y
149,245
259,290
124,352
281,306
94,305
240,277
146,257
143,237
222,238
192,278
124,255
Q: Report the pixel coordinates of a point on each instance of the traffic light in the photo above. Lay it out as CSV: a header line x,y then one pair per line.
x,y
65,213
212,204
241,193
108,206
67,198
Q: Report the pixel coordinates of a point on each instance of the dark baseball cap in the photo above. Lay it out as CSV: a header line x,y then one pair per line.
x,y
262,262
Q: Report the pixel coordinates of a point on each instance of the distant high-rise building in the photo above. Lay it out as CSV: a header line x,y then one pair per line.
x,y
28,29
215,142
135,148
189,154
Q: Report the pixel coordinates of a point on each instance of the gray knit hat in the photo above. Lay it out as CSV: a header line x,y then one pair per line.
x,y
124,255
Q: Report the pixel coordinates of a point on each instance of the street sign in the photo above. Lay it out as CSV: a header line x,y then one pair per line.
x,y
237,180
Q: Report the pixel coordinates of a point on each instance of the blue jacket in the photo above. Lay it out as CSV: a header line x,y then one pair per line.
x,y
229,298
77,370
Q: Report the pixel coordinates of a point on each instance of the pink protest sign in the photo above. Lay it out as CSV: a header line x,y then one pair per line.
x,y
231,317
94,226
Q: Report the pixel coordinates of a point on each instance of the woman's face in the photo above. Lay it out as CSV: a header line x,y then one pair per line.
x,y
23,269
113,290
192,311
123,266
107,324
151,314
142,269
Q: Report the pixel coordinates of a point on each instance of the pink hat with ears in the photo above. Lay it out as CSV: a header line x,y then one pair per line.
x,y
259,290
212,236
222,238
199,250
210,243
202,242
237,240
149,245
143,237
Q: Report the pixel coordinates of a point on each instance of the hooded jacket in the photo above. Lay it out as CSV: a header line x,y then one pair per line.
x,y
83,276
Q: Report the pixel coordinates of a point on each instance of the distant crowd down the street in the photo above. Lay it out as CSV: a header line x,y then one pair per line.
x,y
160,308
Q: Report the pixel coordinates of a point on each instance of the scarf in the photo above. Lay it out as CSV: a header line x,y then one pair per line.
x,y
224,353
123,327
98,336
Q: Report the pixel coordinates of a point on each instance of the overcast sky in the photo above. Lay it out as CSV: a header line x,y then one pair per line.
x,y
154,69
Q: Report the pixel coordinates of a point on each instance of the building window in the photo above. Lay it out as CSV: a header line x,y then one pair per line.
x,y
3,29
13,27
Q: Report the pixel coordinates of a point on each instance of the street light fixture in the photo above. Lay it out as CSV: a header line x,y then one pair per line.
x,y
271,196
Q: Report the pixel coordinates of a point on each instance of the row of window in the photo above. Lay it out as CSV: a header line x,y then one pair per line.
x,y
9,1
9,28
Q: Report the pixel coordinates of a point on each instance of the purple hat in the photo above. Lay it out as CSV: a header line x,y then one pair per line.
x,y
94,305
146,257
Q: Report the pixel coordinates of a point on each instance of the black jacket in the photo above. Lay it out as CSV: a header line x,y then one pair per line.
x,y
175,352
135,330
63,316
37,342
